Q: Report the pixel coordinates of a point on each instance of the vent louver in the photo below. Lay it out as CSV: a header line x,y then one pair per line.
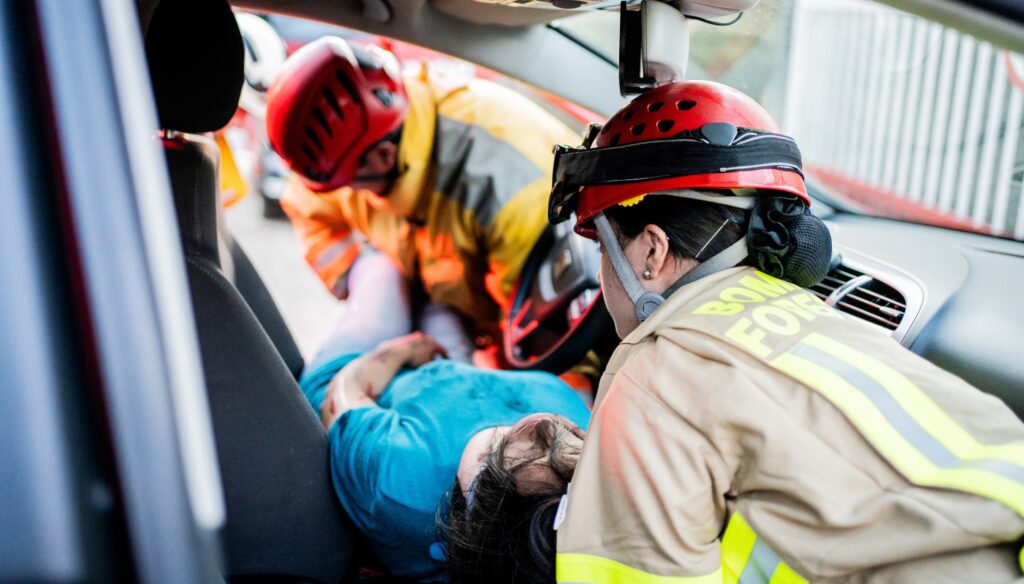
x,y
859,295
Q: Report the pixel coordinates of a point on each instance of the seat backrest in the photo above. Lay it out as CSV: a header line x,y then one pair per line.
x,y
192,162
283,520
249,283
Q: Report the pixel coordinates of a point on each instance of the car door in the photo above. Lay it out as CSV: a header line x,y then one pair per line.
x,y
108,470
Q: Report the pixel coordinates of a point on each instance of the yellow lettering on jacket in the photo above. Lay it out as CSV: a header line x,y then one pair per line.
x,y
751,340
736,294
777,307
776,320
719,308
790,305
767,285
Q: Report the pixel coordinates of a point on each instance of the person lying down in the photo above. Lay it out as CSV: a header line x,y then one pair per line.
x,y
405,430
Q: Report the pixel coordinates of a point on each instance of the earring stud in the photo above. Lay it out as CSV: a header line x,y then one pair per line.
x,y
647,274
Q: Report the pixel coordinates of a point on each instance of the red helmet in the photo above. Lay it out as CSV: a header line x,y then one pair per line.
x,y
329,104
695,135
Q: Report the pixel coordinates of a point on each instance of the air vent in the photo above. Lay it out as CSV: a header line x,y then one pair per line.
x,y
859,295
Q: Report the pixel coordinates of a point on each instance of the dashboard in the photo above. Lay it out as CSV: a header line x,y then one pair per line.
x,y
962,294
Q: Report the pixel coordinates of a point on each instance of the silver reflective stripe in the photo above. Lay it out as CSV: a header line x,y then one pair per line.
x,y
901,421
332,253
479,171
761,564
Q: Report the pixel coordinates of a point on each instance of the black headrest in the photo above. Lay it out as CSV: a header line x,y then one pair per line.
x,y
196,63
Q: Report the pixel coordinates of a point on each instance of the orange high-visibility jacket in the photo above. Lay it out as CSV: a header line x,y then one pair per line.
x,y
471,200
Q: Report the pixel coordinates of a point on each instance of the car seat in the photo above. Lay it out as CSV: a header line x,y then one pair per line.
x,y
283,520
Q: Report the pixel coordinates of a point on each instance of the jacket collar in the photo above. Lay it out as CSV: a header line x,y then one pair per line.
x,y
411,194
677,301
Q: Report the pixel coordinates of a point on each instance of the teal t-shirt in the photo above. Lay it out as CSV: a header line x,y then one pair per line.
x,y
391,464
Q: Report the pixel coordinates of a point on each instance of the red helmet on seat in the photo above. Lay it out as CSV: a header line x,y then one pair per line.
x,y
687,135
329,104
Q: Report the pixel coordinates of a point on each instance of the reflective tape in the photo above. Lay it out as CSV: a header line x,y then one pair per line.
x,y
478,170
762,564
904,424
333,252
747,559
587,569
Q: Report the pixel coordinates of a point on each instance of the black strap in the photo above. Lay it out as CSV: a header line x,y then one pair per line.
x,y
680,156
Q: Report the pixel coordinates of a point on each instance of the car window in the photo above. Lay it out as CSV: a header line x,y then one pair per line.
x,y
896,116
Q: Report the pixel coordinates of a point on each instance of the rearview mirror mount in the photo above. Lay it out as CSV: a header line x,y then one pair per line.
x,y
654,40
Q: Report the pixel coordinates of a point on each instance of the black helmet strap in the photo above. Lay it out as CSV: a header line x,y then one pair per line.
x,y
713,149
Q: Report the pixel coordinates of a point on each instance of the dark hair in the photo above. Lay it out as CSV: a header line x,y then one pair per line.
x,y
783,238
507,534
689,224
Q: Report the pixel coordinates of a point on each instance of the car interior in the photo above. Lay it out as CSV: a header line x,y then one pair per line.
x,y
946,295
950,296
283,517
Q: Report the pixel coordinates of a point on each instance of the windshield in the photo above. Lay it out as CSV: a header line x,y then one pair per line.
x,y
896,116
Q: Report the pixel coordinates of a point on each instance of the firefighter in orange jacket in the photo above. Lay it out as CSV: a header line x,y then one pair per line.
x,y
449,181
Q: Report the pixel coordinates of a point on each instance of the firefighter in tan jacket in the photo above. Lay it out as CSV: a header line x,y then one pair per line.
x,y
448,180
744,431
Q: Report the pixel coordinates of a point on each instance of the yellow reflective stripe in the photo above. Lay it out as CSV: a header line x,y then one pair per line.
x,y
950,460
335,251
587,569
737,544
918,405
746,559
785,575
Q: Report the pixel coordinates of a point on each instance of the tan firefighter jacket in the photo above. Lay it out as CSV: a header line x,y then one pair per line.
x,y
746,432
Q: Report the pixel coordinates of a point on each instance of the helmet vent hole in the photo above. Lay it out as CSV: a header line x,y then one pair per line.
x,y
655,106
615,140
638,129
332,101
314,139
322,120
309,153
665,125
385,97
629,115
347,84
686,104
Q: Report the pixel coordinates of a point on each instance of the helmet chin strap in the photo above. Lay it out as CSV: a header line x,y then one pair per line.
x,y
644,301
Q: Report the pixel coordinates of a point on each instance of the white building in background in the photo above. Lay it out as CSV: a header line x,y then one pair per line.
x,y
908,114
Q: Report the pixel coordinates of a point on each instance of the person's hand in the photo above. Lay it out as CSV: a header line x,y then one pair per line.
x,y
416,349
349,389
335,403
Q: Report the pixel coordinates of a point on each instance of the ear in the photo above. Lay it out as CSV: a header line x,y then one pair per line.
x,y
387,155
656,254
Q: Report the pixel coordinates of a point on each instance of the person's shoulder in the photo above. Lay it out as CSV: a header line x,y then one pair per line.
x,y
690,374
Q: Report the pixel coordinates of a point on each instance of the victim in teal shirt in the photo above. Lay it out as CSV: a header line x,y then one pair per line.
x,y
391,464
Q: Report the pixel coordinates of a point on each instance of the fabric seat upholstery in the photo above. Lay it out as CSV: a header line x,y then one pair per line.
x,y
192,162
283,521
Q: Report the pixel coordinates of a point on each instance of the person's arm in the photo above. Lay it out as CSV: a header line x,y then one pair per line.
x,y
377,468
329,243
365,378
